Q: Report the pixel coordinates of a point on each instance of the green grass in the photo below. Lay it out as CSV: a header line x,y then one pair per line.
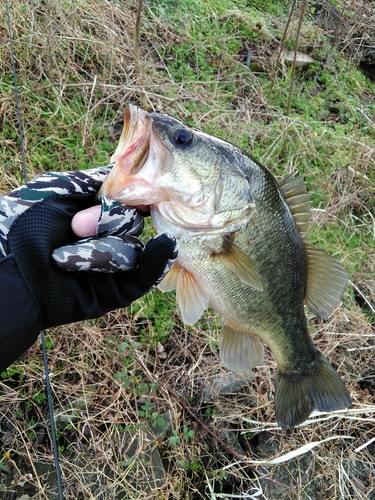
x,y
76,71
155,316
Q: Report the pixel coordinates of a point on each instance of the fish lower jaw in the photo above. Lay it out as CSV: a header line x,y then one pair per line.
x,y
137,194
182,226
185,234
142,208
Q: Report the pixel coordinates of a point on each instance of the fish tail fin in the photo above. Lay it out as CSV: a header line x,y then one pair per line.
x,y
318,388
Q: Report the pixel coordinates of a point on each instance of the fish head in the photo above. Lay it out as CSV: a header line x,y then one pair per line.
x,y
190,178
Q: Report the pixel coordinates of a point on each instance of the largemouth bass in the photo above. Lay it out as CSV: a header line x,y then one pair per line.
x,y
242,250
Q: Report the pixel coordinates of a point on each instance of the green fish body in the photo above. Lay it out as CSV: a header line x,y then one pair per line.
x,y
242,251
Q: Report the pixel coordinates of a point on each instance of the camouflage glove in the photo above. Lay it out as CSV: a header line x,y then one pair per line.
x,y
38,247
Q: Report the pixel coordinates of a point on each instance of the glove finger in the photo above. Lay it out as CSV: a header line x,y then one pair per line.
x,y
43,186
118,219
156,260
61,183
121,289
110,254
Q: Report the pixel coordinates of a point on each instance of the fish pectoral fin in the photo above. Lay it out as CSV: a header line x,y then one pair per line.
x,y
326,281
191,299
240,351
233,258
169,282
298,394
298,199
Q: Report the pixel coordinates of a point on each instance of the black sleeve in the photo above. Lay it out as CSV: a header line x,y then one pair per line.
x,y
19,314
65,297
36,294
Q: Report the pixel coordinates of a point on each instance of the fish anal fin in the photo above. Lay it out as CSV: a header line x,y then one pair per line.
x,y
233,258
190,297
240,351
297,395
169,282
326,281
297,197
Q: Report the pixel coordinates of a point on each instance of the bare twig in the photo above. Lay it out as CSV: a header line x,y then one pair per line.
x,y
137,44
167,389
300,21
282,44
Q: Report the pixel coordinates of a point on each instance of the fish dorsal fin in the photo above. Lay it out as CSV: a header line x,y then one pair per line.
x,y
326,281
240,351
169,282
296,196
190,297
233,258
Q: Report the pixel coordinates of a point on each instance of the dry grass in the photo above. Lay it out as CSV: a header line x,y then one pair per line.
x,y
75,64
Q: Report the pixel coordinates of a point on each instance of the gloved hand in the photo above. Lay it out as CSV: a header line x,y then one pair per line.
x,y
36,291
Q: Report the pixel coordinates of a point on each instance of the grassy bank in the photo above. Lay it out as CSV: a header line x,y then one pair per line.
x,y
127,386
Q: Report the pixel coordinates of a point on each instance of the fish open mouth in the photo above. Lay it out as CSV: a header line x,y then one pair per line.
x,y
132,151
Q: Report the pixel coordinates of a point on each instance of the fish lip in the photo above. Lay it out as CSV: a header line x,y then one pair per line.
x,y
132,151
134,144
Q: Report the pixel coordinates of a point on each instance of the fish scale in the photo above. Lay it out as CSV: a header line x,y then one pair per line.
x,y
242,250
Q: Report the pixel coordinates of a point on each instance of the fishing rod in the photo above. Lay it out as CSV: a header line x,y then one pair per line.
x,y
42,333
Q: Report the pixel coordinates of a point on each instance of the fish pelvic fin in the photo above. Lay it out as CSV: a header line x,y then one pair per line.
x,y
190,297
326,281
169,282
240,351
318,388
233,258
293,188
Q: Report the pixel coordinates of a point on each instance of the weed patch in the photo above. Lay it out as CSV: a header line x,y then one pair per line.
x,y
134,390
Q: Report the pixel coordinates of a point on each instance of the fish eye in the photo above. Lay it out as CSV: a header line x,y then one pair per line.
x,y
182,137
